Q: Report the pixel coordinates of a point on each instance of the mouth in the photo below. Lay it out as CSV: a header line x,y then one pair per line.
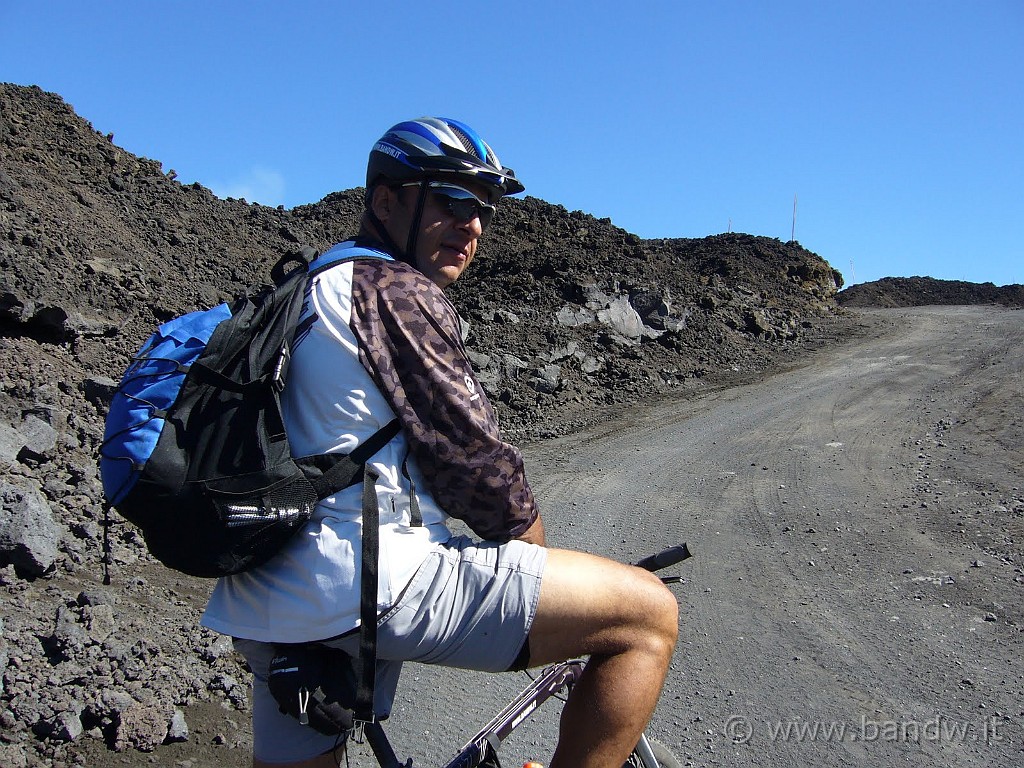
x,y
456,251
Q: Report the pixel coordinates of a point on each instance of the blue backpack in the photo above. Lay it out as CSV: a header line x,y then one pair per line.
x,y
195,451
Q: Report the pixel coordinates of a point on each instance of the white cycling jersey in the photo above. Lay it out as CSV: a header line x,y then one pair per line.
x,y
377,340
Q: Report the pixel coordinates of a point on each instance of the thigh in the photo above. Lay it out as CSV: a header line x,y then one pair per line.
x,y
470,605
593,605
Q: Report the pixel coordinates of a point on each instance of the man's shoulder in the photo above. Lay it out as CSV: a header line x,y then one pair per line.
x,y
374,267
348,251
395,279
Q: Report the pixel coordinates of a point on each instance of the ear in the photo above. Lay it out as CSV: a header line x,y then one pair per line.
x,y
382,201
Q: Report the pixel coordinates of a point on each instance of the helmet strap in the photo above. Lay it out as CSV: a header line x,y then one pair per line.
x,y
409,255
414,226
383,235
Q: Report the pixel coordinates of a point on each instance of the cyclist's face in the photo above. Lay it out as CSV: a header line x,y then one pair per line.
x,y
445,245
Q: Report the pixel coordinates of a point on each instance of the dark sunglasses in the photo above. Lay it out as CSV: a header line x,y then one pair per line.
x,y
459,203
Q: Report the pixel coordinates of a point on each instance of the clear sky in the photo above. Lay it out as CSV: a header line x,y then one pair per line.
x,y
896,125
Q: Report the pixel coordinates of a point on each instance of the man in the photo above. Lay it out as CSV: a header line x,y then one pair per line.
x,y
378,339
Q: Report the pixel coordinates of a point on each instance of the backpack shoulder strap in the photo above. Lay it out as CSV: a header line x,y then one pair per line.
x,y
308,260
329,473
363,710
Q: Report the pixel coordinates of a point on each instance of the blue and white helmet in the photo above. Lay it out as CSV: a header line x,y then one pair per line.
x,y
436,147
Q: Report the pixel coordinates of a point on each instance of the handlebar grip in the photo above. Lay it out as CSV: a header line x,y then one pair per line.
x,y
665,558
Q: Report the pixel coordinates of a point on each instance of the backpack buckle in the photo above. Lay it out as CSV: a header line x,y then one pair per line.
x,y
284,357
357,734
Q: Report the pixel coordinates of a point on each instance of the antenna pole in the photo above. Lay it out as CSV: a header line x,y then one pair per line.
x,y
792,233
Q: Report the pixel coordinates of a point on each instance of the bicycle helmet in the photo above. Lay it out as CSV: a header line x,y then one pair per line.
x,y
433,148
438,148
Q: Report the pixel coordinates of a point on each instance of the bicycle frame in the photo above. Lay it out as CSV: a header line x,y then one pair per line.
x,y
555,679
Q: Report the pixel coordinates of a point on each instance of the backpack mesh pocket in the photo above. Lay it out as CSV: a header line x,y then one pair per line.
x,y
292,502
255,526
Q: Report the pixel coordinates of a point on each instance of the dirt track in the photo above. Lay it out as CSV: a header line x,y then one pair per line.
x,y
856,595
858,529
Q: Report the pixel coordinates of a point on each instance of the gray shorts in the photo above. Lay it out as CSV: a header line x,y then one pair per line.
x,y
482,598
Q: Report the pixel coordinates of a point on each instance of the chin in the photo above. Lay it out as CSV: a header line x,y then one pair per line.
x,y
443,281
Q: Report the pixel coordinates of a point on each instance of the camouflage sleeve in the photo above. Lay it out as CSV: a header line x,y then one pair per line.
x,y
408,333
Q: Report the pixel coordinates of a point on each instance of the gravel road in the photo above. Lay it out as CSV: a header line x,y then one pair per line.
x,y
855,599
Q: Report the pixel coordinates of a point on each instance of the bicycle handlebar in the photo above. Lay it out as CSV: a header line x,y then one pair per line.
x,y
665,558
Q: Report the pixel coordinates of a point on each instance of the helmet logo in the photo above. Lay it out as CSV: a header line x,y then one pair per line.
x,y
387,149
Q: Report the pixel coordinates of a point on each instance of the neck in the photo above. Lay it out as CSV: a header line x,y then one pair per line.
x,y
372,229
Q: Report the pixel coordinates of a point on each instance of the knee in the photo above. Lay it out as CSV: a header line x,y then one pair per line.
x,y
661,612
668,612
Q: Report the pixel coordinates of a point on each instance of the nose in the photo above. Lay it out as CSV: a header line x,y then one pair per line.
x,y
473,225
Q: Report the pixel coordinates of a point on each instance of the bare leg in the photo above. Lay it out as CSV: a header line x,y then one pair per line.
x,y
626,620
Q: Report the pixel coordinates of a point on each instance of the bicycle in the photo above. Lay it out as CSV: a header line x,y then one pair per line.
x,y
482,749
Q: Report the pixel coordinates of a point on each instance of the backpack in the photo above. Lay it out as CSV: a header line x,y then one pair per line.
x,y
195,452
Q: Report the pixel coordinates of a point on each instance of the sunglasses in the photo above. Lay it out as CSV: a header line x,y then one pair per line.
x,y
459,203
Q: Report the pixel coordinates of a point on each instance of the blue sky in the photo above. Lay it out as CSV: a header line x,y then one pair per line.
x,y
897,126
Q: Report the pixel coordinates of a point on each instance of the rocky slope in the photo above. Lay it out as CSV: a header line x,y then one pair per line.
x,y
926,291
567,317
